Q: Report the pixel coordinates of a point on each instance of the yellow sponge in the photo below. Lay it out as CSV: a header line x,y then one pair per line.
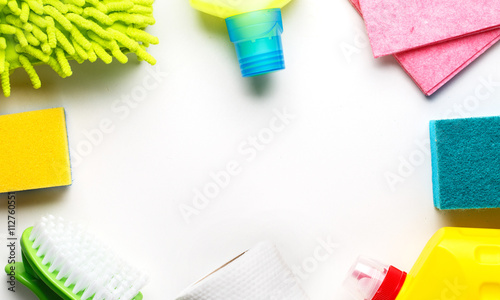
x,y
34,151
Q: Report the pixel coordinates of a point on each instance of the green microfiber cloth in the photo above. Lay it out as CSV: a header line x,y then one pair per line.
x,y
34,32
466,163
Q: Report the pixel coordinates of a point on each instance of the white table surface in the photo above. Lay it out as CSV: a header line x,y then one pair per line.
x,y
322,177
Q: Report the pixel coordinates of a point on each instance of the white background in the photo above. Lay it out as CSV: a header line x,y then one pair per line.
x,y
322,177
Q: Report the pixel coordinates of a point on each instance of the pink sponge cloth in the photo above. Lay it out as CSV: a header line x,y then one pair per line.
x,y
433,66
400,25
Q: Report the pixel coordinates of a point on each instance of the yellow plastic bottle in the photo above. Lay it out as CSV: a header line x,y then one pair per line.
x,y
255,27
456,264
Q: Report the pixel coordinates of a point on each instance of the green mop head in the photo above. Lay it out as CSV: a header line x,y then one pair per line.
x,y
34,32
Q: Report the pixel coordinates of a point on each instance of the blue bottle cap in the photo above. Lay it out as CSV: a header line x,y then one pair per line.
x,y
257,37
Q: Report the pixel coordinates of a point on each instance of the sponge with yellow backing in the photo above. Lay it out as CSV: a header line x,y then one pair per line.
x,y
34,32
34,151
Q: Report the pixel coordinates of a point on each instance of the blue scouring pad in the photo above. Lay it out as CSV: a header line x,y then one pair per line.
x,y
466,163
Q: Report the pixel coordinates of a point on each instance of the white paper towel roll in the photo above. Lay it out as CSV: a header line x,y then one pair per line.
x,y
258,274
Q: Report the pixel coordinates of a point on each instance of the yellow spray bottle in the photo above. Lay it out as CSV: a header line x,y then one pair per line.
x,y
255,27
456,264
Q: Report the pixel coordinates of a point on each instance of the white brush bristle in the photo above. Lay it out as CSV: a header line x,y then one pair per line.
x,y
79,259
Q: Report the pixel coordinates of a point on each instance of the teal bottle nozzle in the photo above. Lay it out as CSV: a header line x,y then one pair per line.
x,y
257,37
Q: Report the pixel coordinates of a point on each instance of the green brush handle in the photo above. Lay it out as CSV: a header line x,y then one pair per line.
x,y
37,278
32,282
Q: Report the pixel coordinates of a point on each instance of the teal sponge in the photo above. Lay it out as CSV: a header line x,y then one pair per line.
x,y
466,163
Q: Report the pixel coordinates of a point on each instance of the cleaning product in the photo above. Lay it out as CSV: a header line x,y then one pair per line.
x,y
456,264
61,261
466,163
255,27
396,26
52,32
34,151
433,66
257,274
